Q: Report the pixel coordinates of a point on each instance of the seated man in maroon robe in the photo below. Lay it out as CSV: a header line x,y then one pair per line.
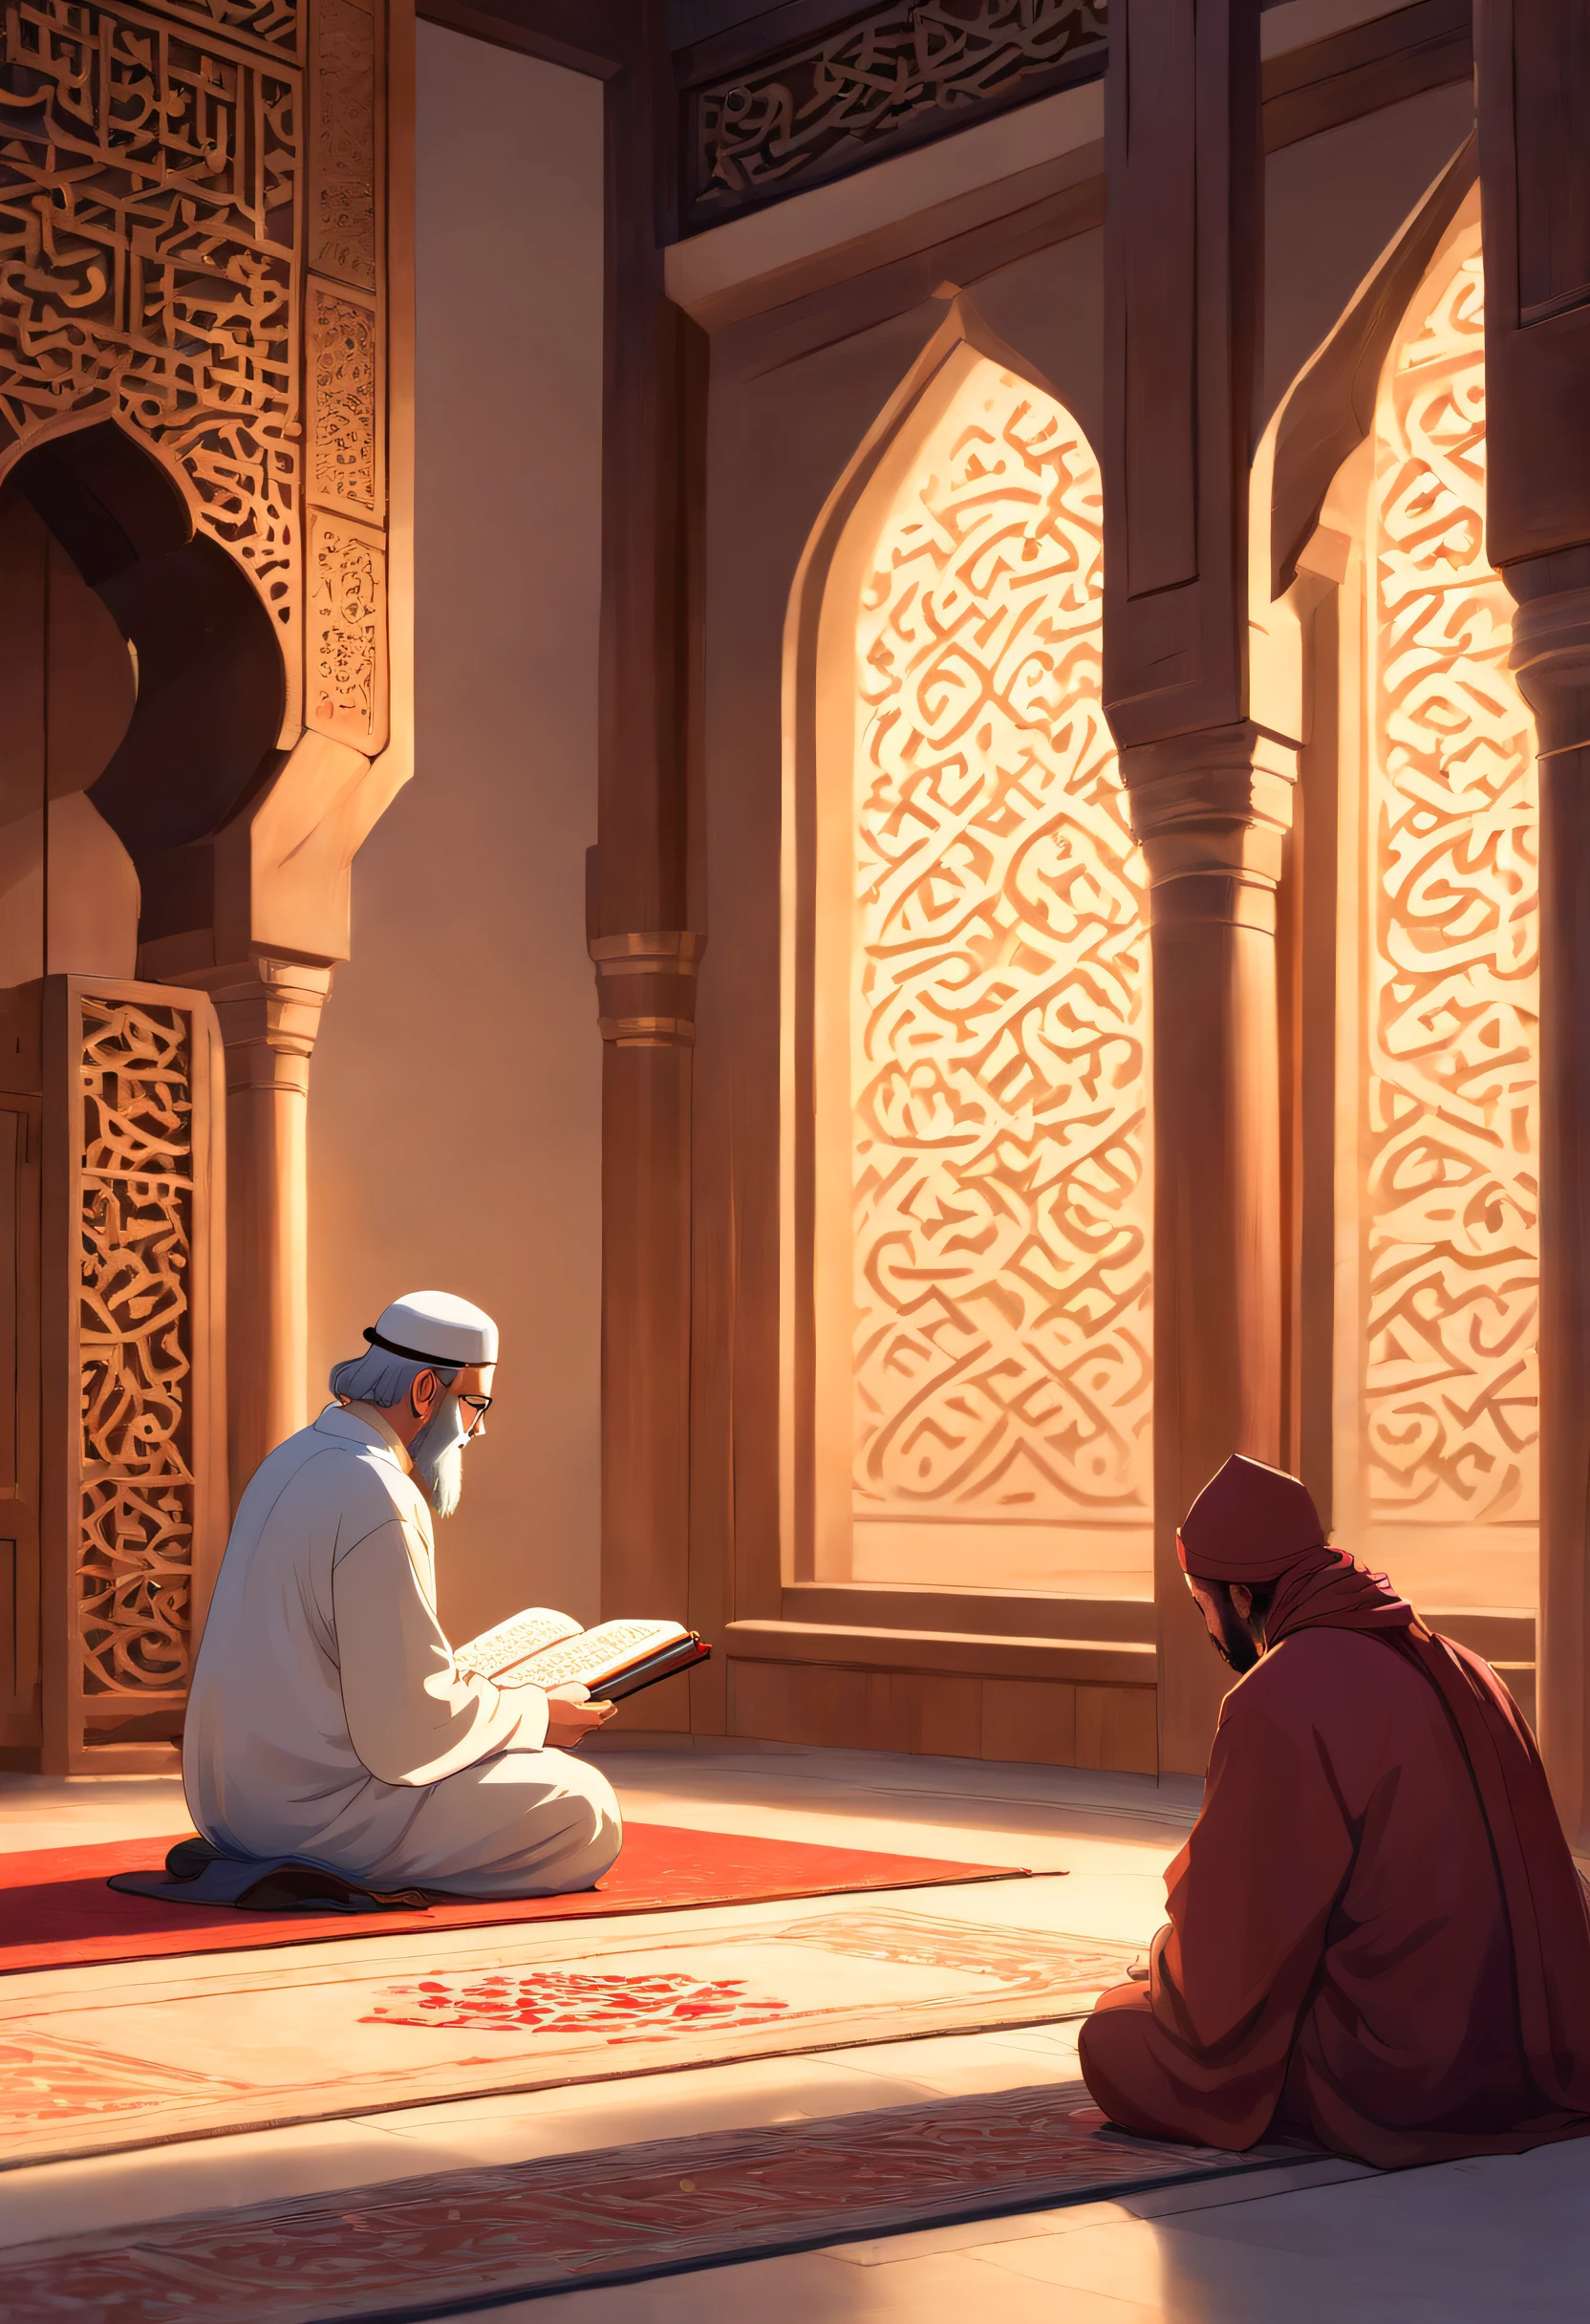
x,y
1377,1942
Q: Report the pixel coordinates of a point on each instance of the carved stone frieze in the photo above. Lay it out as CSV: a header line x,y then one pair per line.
x,y
895,73
148,192
346,673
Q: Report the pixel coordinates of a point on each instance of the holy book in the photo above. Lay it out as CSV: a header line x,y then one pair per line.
x,y
540,1647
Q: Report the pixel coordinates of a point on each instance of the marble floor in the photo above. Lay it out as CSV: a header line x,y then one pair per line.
x,y
1464,2241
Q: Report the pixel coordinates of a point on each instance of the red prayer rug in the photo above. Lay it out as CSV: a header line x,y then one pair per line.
x,y
96,2060
424,2247
55,1906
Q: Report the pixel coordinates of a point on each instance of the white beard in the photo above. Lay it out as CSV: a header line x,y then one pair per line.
x,y
438,1457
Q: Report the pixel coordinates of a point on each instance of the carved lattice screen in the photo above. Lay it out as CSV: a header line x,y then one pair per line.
x,y
135,1511
192,243
1443,1477
999,1016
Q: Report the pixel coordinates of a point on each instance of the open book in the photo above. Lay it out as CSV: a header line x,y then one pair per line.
x,y
542,1648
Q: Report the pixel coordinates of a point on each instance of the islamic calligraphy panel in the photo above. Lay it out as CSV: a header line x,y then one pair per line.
x,y
133,1413
147,255
1450,1247
136,1348
999,1003
893,75
273,24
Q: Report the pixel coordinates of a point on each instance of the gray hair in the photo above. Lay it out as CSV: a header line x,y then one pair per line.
x,y
382,1379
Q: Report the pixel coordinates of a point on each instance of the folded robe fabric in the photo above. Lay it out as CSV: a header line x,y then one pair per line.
x,y
1378,1937
198,1874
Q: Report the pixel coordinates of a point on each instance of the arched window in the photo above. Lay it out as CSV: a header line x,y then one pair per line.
x,y
1437,1473
981,1351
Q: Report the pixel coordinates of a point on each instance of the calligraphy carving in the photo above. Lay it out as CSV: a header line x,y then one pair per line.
x,y
146,255
822,108
341,349
1450,1138
134,1565
342,230
347,634
1000,1000
274,24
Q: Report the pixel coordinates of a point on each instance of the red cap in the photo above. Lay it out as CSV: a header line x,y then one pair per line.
x,y
1248,1525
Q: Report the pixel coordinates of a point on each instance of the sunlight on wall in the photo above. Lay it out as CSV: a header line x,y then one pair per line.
x,y
999,1020
1448,1251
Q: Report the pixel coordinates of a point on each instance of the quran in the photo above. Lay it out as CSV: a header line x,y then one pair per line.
x,y
543,1649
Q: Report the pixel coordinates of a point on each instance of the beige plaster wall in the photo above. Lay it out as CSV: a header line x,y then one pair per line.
x,y
1331,205
455,1092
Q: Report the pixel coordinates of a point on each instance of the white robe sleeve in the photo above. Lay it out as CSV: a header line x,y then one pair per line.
x,y
413,1716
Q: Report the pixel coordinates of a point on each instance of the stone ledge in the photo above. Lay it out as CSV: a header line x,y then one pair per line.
x,y
948,1653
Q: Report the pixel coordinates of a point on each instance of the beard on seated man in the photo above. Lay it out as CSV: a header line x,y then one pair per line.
x,y
1377,1942
329,1720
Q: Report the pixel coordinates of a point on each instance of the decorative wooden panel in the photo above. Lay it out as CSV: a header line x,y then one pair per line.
x,y
135,1484
879,81
19,1409
1448,1154
998,1005
191,212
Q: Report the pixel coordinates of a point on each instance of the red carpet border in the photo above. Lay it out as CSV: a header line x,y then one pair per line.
x,y
55,1909
421,2247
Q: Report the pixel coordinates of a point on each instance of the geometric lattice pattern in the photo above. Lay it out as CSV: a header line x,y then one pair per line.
x,y
1450,1247
135,1340
998,1009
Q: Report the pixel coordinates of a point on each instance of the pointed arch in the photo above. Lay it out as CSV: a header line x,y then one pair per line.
x,y
967,1237
1435,1453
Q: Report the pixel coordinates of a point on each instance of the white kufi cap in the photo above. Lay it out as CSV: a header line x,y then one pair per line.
x,y
433,1327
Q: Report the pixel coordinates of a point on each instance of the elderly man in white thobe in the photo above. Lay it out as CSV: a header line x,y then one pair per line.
x,y
328,1721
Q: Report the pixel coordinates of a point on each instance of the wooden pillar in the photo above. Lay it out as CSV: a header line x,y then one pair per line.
x,y
268,1011
1533,58
645,954
1209,790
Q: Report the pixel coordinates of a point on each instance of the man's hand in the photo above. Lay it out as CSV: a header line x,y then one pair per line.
x,y
572,1715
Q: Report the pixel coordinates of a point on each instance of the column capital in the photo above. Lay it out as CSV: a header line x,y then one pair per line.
x,y
1551,655
268,1011
645,987
1210,811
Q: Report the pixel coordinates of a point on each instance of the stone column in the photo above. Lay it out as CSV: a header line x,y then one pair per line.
x,y
1210,791
1533,69
1212,811
640,892
1551,654
268,1011
645,987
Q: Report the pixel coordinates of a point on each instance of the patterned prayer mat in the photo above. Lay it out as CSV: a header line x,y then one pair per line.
x,y
92,2062
55,1906
421,2247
